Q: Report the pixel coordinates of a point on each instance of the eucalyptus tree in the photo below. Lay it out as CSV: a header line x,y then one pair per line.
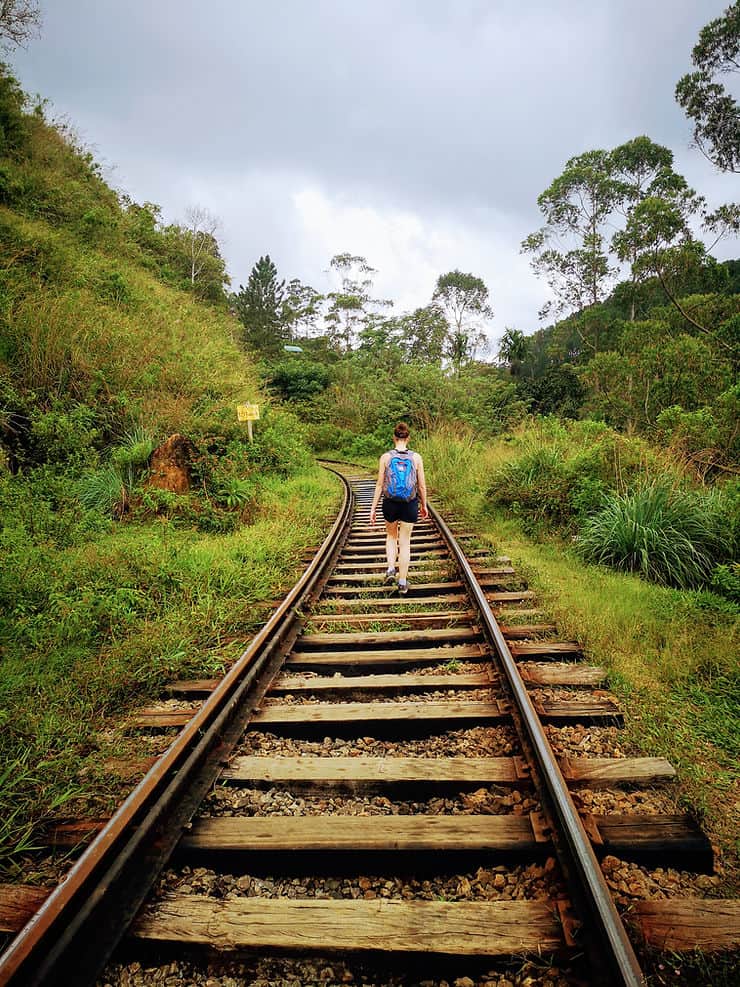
x,y
423,334
201,228
463,298
642,170
570,250
706,101
351,308
658,242
300,308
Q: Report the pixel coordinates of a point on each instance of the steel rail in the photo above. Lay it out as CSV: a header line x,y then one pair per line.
x,y
69,939
582,868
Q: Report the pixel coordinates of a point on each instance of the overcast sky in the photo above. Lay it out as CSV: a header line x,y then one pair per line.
x,y
417,133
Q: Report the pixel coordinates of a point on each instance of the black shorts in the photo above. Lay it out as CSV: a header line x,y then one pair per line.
x,y
401,510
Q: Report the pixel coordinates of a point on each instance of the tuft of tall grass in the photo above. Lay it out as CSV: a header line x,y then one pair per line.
x,y
669,536
104,490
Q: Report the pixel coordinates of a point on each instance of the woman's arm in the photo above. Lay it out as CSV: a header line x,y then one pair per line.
x,y
422,485
378,487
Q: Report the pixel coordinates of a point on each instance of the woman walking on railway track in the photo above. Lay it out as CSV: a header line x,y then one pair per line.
x,y
402,485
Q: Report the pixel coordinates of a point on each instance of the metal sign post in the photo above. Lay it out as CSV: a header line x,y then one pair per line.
x,y
248,413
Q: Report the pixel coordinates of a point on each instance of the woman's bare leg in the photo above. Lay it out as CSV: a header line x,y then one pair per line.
x,y
404,549
391,543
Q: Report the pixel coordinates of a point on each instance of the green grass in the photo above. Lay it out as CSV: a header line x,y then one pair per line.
x,y
670,536
671,654
107,622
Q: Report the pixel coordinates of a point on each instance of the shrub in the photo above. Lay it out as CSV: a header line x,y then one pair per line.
x,y
669,536
327,437
114,288
279,444
64,435
236,492
134,452
298,380
104,490
13,121
536,487
726,581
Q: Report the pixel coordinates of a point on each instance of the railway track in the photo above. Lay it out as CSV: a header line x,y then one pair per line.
x,y
386,788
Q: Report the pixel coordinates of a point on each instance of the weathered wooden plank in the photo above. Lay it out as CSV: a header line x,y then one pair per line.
x,y
394,602
360,771
360,550
586,710
390,683
71,834
510,596
545,648
497,572
363,833
401,656
375,578
516,631
461,928
562,673
350,563
377,570
305,713
188,687
159,719
420,533
417,589
19,903
370,638
520,612
666,835
420,618
601,772
685,924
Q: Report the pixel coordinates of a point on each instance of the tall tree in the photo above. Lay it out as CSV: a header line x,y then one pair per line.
x,y
200,228
352,308
300,308
641,170
657,241
713,110
423,334
258,306
570,249
464,300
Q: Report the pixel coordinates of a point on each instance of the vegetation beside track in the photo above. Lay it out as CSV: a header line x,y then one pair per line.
x,y
126,609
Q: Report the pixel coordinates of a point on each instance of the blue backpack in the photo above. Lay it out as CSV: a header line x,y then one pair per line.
x,y
400,476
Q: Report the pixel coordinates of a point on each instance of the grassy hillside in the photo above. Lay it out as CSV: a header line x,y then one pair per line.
x,y
96,312
108,586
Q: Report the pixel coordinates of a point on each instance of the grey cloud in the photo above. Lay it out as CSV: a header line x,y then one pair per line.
x,y
456,110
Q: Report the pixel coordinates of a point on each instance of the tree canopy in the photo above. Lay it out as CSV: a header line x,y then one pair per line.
x,y
258,306
464,300
707,103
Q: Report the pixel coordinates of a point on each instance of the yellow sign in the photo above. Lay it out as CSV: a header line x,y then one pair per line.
x,y
248,412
